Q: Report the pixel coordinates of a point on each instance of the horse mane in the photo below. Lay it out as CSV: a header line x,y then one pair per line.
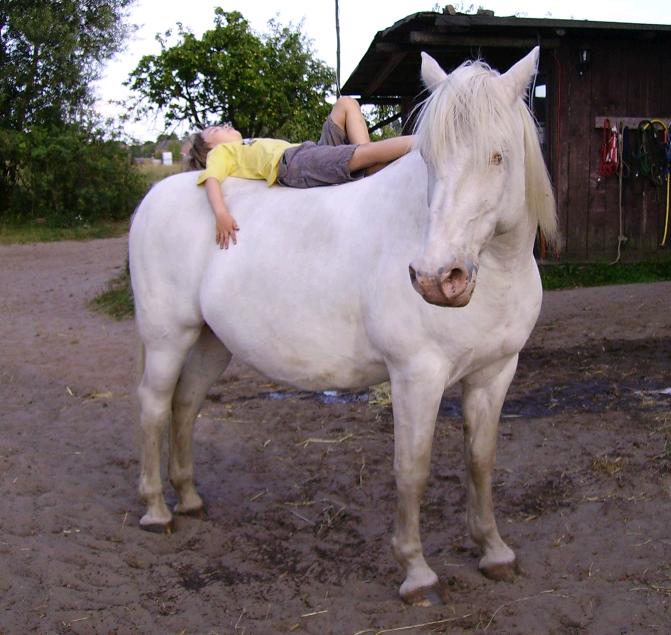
x,y
471,106
539,194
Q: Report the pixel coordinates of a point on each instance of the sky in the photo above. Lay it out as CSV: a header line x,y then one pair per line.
x,y
360,20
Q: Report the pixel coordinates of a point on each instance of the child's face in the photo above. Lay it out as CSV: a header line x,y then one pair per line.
x,y
225,133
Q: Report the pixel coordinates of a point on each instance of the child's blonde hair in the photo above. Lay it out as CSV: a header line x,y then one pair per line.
x,y
198,152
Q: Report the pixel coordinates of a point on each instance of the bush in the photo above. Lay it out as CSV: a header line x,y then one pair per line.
x,y
68,176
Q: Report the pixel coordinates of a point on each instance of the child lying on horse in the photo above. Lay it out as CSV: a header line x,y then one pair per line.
x,y
343,153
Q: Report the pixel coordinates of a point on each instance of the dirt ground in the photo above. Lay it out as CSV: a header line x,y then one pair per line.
x,y
300,490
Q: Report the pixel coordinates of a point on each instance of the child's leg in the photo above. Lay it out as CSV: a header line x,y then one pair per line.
x,y
376,154
346,113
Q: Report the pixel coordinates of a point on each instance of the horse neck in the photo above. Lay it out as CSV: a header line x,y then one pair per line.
x,y
513,250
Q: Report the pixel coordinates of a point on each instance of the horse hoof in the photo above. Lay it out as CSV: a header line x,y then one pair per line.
x,y
435,595
159,528
200,513
501,572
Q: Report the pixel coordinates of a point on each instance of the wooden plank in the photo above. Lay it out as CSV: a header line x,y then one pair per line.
x,y
596,212
559,114
665,102
389,48
637,209
607,95
432,38
654,71
578,98
390,66
629,122
566,26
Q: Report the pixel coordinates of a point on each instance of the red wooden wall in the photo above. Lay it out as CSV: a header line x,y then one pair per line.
x,y
629,78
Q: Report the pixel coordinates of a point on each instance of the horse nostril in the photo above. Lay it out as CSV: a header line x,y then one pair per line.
x,y
454,281
456,274
413,274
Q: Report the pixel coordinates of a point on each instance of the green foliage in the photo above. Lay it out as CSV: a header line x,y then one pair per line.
x,y
265,85
68,176
50,52
143,150
38,231
117,298
384,121
153,173
53,165
567,276
175,149
153,149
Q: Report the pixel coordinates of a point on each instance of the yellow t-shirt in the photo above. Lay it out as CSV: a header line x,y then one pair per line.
x,y
259,159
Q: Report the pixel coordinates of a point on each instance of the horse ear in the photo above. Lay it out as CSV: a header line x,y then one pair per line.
x,y
432,74
518,78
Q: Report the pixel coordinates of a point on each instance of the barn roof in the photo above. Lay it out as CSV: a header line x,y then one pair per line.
x,y
389,70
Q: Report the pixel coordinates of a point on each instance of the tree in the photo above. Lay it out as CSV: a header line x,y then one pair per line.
x,y
53,161
265,85
50,53
384,120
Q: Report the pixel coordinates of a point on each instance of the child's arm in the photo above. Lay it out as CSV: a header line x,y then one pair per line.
x,y
226,224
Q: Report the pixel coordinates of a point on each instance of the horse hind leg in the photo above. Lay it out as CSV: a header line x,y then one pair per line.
x,y
205,363
161,370
483,396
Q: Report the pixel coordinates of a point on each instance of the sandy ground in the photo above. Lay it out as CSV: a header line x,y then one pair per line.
x,y
297,537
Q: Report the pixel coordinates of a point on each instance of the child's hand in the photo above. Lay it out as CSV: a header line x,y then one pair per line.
x,y
226,228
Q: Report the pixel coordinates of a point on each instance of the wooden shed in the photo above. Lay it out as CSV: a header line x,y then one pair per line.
x,y
590,73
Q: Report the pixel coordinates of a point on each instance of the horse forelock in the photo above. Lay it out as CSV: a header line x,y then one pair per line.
x,y
469,109
472,109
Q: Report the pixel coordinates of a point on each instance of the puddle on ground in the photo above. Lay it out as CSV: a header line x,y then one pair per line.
x,y
591,397
326,397
595,396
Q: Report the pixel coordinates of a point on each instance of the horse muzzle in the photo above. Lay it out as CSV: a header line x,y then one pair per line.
x,y
448,286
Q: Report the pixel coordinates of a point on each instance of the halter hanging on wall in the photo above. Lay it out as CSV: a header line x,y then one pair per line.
x,y
644,146
609,155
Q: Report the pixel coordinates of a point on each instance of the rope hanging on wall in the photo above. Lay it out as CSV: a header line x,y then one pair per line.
x,y
641,152
645,151
652,154
667,171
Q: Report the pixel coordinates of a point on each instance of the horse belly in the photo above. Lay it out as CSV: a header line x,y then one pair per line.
x,y
316,369
309,335
308,358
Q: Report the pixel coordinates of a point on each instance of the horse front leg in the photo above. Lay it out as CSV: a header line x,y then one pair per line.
x,y
416,395
483,396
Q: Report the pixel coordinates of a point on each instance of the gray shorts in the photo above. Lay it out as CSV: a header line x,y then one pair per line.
x,y
323,163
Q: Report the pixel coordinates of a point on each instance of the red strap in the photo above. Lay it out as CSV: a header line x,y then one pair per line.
x,y
609,162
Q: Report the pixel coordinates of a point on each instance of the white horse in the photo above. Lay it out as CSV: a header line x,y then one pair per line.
x,y
316,294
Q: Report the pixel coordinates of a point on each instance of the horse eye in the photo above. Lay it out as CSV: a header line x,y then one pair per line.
x,y
496,159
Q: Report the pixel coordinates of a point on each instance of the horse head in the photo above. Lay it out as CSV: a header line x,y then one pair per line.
x,y
486,174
